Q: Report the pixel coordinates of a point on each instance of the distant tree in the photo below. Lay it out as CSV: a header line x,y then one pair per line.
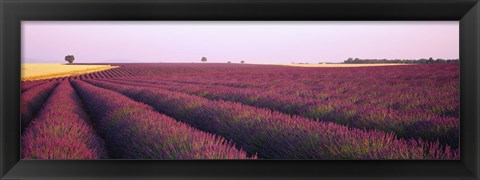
x,y
349,60
242,62
430,60
404,61
229,62
70,58
204,59
441,61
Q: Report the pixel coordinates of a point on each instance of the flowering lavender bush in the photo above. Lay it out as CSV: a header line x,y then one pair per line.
x,y
62,130
229,111
135,131
32,100
275,135
412,123
26,85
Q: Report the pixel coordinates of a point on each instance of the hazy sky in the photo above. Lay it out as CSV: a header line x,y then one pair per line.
x,y
254,42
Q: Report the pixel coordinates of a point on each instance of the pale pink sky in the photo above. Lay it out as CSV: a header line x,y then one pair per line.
x,y
221,41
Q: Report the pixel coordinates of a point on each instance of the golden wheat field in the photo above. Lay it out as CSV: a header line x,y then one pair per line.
x,y
47,70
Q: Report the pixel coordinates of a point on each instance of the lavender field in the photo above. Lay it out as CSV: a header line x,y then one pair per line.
x,y
245,111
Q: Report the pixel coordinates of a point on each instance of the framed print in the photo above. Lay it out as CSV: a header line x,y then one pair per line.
x,y
239,89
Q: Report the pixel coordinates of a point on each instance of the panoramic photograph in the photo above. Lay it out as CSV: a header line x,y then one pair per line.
x,y
249,90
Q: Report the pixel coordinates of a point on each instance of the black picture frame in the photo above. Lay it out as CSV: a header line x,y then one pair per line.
x,y
12,12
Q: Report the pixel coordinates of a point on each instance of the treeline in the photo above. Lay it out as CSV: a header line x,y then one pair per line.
x,y
400,61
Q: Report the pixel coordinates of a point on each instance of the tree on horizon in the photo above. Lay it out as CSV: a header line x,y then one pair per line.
x,y
70,59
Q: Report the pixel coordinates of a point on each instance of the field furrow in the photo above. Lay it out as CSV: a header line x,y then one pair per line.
x,y
32,101
134,130
407,124
26,85
279,136
62,130
433,88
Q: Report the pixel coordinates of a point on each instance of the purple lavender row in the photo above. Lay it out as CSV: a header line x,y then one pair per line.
x,y
430,87
406,124
442,102
441,99
274,77
26,85
434,88
62,130
156,69
33,99
134,130
275,135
